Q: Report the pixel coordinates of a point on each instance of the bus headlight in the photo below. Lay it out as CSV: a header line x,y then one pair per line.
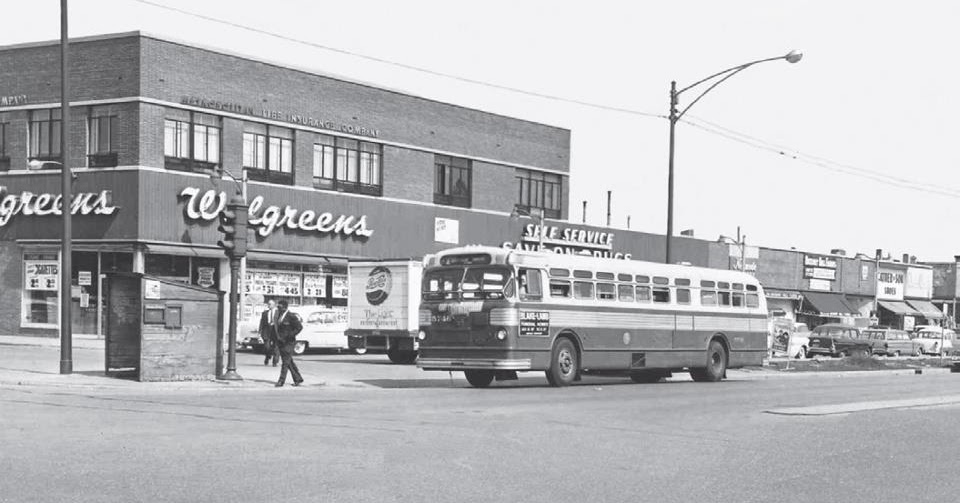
x,y
421,335
501,334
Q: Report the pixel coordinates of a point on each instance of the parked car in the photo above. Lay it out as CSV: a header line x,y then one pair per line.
x,y
838,340
799,341
891,342
935,340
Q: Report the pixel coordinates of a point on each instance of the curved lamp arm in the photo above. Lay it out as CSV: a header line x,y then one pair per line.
x,y
791,57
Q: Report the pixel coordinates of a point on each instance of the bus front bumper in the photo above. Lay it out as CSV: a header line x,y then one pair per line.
x,y
473,364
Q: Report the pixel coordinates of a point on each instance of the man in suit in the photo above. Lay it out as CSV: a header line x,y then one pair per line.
x,y
288,325
268,333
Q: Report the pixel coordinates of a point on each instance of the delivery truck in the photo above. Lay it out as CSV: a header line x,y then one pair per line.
x,y
384,304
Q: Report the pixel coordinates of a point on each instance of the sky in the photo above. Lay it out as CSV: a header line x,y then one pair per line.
x,y
854,147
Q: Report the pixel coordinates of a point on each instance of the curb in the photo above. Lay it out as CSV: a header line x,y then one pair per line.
x,y
787,374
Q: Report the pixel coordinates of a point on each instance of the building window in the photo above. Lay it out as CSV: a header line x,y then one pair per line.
x,y
347,165
4,158
268,153
41,286
540,190
101,142
452,181
191,142
45,135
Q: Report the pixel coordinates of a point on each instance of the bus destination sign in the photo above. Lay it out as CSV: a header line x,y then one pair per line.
x,y
535,323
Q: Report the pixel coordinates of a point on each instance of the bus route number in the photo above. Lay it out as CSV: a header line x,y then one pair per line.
x,y
535,323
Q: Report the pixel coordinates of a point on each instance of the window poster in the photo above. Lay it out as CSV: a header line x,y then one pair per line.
x,y
341,286
314,284
41,275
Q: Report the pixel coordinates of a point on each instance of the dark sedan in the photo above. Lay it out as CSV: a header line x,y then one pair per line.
x,y
838,340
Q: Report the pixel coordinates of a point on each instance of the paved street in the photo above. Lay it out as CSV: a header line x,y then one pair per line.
x,y
406,435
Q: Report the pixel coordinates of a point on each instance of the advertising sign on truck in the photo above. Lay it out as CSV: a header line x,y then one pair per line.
x,y
384,300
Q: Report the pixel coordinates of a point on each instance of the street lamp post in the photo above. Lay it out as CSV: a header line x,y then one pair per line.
x,y
675,116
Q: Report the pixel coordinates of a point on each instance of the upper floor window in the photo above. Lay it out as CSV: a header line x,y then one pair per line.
x,y
45,134
268,152
540,190
191,141
452,181
101,142
4,158
347,165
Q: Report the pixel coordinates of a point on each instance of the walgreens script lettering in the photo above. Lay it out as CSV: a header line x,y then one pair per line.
x,y
207,206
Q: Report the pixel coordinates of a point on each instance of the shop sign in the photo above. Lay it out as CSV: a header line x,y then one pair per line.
x,y
280,116
267,282
820,284
446,230
314,284
776,294
14,100
205,276
919,282
266,220
567,240
45,204
890,284
819,273
819,261
84,278
42,275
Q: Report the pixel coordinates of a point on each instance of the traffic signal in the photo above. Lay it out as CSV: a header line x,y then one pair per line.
x,y
233,225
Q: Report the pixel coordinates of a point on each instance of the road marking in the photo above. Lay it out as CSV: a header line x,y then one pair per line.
x,y
847,408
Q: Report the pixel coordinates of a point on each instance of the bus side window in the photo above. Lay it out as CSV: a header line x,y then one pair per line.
x,y
583,289
737,299
530,285
661,295
559,288
626,293
683,296
606,291
753,300
643,294
708,297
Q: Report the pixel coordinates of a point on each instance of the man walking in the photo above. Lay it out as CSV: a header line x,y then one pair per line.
x,y
288,325
268,334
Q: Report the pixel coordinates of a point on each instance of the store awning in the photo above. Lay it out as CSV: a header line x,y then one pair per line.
x,y
190,251
899,308
927,309
295,259
830,303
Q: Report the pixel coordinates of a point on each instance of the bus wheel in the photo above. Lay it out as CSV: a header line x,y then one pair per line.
x,y
716,364
563,363
479,378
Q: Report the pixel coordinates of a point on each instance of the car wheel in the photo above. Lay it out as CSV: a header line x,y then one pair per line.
x,y
299,347
842,354
896,354
360,351
802,353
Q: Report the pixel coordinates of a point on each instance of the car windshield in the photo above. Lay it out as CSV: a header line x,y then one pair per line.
x,y
929,334
829,332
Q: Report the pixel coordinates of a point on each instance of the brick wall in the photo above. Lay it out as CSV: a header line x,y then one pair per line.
x,y
494,187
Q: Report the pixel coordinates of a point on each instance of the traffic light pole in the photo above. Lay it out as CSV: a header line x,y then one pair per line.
x,y
231,374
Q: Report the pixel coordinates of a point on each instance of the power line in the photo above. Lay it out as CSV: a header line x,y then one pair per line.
x,y
822,162
401,65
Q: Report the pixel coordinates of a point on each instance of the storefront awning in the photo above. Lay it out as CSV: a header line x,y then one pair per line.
x,y
926,308
899,308
190,251
771,293
295,259
830,303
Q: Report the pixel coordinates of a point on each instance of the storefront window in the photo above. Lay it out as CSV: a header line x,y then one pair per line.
x,y
41,284
169,267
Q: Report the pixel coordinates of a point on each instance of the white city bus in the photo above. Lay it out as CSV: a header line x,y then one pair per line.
x,y
491,312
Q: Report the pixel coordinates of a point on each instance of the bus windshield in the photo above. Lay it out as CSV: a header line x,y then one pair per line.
x,y
479,282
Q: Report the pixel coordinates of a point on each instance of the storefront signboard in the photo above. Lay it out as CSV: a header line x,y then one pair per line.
x,y
890,284
567,240
278,115
820,284
42,275
919,283
819,261
820,273
266,282
446,230
84,278
44,204
209,204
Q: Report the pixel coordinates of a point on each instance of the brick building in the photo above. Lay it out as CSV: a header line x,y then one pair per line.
x,y
335,169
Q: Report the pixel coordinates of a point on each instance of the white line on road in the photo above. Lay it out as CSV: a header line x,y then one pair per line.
x,y
847,408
